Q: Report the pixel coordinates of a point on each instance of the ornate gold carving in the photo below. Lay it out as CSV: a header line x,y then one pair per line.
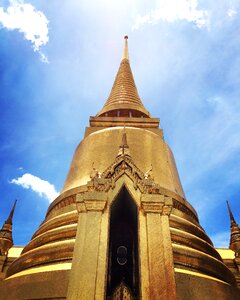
x,y
81,207
124,164
166,210
149,174
95,173
122,292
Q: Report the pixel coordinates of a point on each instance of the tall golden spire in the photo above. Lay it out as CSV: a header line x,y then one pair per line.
x,y
6,241
235,233
232,220
9,219
124,100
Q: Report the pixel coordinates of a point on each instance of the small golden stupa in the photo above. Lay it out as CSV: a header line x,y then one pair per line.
x,y
122,227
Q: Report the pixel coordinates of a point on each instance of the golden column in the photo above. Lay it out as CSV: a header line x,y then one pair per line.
x,y
88,265
161,267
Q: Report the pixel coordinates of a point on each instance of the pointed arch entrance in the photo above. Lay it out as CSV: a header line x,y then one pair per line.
x,y
123,262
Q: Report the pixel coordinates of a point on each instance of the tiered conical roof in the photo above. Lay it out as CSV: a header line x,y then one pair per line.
x,y
124,95
235,233
6,241
9,219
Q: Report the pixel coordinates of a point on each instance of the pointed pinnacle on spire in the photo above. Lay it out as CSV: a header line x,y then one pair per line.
x,y
124,100
9,219
125,50
235,233
231,215
6,241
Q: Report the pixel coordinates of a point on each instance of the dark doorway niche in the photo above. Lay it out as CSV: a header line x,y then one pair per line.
x,y
123,269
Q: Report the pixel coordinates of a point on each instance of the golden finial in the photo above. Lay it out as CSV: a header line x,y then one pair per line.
x,y
125,51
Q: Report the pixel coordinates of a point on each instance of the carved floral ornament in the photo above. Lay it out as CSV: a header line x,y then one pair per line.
x,y
123,164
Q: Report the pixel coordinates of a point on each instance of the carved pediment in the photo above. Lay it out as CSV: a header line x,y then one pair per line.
x,y
123,164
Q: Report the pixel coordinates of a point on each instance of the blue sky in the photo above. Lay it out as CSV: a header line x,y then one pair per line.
x,y
58,60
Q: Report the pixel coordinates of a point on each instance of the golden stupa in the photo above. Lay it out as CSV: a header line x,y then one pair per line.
x,y
122,227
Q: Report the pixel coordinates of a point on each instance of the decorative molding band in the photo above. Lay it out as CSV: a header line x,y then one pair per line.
x,y
63,203
183,208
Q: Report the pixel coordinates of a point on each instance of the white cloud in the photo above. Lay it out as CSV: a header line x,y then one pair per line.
x,y
38,185
26,19
221,239
231,12
174,10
